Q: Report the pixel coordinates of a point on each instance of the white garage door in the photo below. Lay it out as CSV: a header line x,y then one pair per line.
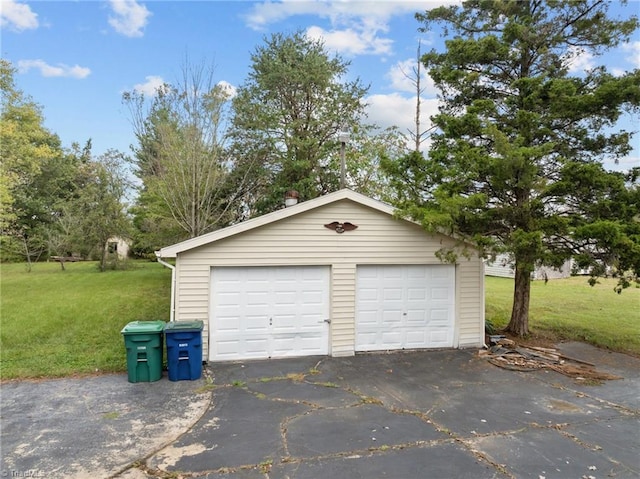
x,y
405,307
269,312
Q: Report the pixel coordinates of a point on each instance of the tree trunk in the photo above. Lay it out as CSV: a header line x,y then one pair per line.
x,y
103,259
519,323
26,252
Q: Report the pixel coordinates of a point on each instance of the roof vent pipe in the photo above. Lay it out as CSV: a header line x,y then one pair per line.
x,y
291,198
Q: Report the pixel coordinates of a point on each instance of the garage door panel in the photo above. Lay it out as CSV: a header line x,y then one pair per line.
x,y
262,312
416,319
441,338
406,306
392,272
312,298
281,345
284,323
391,319
227,348
257,308
253,347
443,272
229,288
251,296
311,320
368,337
440,294
228,300
229,324
439,317
254,322
392,337
415,339
368,295
368,319
392,294
416,294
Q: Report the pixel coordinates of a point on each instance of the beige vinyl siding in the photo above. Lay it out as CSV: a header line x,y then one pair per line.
x,y
193,290
470,303
343,279
303,240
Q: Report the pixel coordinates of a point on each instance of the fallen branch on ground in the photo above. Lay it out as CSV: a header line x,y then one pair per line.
x,y
527,359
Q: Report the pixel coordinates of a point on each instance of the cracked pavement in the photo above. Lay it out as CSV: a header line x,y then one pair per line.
x,y
440,414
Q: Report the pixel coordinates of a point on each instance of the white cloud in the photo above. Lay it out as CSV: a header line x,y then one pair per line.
x,y
263,14
352,41
59,70
150,86
403,74
229,90
17,16
130,17
578,60
397,110
624,164
634,53
357,27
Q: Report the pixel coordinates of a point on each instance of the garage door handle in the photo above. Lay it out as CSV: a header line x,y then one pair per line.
x,y
328,321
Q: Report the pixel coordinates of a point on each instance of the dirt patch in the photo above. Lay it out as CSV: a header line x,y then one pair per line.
x,y
171,454
563,406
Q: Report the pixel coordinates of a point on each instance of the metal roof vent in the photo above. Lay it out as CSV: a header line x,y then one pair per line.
x,y
291,198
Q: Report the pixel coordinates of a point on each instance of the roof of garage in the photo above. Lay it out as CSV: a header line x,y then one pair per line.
x,y
302,207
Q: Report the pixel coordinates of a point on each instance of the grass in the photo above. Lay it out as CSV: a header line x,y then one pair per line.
x,y
571,309
58,323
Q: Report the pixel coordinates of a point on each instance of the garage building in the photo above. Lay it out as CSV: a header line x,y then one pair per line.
x,y
335,275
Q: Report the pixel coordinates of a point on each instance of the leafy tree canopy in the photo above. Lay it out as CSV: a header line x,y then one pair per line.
x,y
54,201
34,171
187,188
516,163
287,116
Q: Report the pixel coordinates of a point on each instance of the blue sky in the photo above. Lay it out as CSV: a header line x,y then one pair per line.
x,y
76,58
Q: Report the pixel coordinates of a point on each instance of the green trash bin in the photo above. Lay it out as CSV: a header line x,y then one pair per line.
x,y
143,342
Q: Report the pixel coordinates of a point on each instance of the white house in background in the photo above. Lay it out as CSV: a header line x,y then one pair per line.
x,y
335,275
118,246
504,267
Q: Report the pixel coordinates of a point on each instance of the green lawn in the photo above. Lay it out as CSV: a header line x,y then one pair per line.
x,y
571,309
59,323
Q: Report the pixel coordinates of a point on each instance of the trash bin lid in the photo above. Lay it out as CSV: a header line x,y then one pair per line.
x,y
176,326
136,327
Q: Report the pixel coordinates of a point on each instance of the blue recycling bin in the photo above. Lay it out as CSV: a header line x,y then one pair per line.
x,y
184,349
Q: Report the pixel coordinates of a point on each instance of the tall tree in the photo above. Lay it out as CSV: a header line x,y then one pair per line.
x,y
417,136
181,158
516,163
95,210
54,200
34,172
99,212
287,116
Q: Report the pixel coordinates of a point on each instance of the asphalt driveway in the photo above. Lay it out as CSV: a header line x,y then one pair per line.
x,y
439,414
